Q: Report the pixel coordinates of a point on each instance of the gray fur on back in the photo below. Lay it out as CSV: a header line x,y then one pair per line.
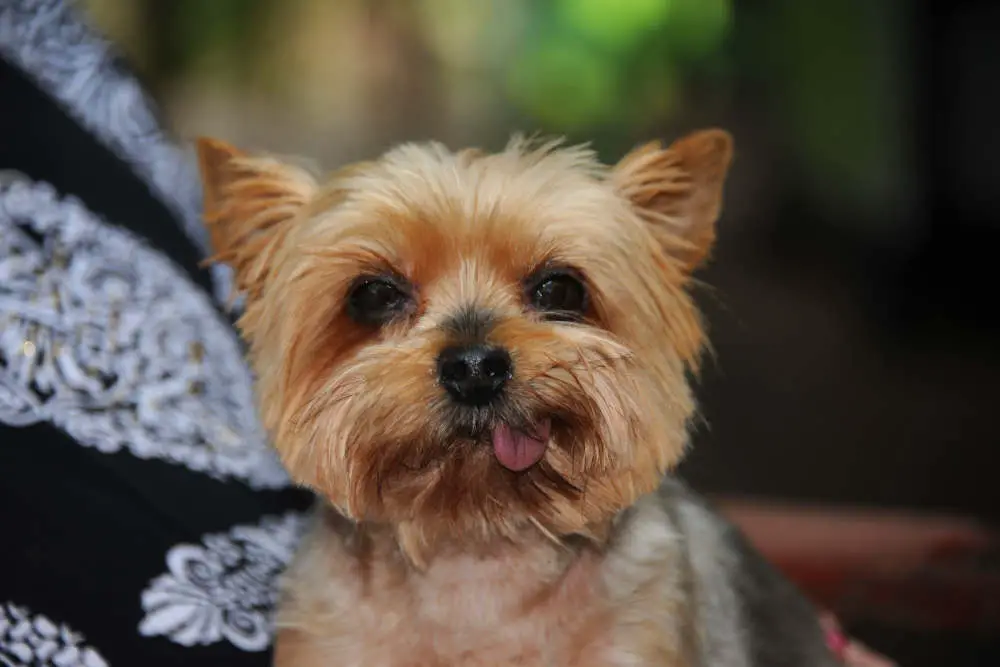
x,y
746,613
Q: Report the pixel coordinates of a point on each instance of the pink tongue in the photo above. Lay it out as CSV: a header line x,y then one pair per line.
x,y
516,450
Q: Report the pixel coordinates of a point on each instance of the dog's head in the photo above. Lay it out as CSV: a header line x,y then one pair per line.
x,y
465,345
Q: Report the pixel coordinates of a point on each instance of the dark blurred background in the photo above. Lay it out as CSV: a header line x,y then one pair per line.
x,y
852,300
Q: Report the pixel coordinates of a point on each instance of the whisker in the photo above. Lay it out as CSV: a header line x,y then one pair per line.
x,y
324,399
581,364
545,531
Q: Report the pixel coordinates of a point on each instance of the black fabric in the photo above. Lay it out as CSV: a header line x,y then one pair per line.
x,y
39,139
84,532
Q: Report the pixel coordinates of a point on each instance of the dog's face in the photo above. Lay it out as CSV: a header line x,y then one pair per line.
x,y
462,345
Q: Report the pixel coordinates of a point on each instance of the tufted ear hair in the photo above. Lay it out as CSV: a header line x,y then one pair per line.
x,y
678,191
250,205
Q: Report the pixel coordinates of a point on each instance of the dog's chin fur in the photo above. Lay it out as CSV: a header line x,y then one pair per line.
x,y
357,412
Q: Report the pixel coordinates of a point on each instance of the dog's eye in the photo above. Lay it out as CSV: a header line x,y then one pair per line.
x,y
560,295
376,301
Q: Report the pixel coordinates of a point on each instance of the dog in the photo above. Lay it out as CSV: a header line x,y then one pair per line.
x,y
480,363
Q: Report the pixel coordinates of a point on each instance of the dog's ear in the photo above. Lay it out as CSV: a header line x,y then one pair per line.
x,y
250,205
678,191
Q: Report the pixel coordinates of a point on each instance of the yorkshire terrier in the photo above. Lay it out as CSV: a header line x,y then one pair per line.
x,y
480,363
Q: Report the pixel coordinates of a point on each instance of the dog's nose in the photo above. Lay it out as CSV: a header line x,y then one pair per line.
x,y
474,374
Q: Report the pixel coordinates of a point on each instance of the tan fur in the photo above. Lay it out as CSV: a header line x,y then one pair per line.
x,y
433,553
525,603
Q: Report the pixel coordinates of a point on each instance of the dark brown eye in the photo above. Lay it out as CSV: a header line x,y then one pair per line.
x,y
559,295
375,301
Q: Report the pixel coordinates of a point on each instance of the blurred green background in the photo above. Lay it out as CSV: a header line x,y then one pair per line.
x,y
342,79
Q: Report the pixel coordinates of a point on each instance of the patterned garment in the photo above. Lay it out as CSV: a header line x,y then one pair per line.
x,y
77,67
30,639
144,519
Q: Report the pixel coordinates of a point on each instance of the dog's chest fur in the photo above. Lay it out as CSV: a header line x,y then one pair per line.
x,y
534,605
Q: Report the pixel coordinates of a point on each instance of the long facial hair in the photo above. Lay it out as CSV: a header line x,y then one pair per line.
x,y
356,411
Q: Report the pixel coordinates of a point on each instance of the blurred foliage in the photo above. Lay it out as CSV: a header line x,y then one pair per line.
x,y
567,64
592,63
839,97
606,69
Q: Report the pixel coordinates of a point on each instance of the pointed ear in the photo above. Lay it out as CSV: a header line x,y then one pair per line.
x,y
250,205
678,191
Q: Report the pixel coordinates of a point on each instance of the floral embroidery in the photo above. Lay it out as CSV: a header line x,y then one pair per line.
x,y
50,41
224,589
107,339
28,640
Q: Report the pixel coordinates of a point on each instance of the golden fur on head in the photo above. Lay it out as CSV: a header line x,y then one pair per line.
x,y
356,411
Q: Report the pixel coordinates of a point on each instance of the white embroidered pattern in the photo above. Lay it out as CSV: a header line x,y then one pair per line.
x,y
108,340
50,41
32,640
224,589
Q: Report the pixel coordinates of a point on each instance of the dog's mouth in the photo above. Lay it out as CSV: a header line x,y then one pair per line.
x,y
518,449
518,440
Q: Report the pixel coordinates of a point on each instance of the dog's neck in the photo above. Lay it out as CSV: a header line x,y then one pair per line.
x,y
372,543
515,598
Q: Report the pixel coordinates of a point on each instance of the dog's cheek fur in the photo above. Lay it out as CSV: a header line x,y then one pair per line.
x,y
621,432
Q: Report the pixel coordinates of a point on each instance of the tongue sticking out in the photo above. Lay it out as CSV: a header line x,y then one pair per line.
x,y
516,450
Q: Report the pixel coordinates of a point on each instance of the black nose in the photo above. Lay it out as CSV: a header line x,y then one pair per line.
x,y
474,374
